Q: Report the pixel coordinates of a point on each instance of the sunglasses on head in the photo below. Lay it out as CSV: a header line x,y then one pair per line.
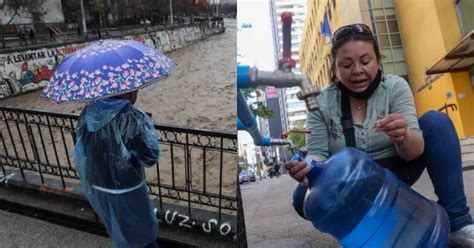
x,y
344,31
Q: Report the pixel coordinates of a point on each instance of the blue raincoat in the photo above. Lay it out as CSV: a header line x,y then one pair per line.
x,y
115,141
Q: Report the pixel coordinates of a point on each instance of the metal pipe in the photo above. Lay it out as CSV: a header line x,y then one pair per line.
x,y
309,94
286,62
246,120
246,117
281,142
252,78
284,135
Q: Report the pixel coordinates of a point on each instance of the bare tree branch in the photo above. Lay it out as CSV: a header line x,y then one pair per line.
x,y
22,8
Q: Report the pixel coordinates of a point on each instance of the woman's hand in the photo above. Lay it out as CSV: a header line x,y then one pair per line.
x,y
396,127
298,171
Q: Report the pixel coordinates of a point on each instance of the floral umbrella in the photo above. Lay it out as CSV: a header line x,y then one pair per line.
x,y
106,68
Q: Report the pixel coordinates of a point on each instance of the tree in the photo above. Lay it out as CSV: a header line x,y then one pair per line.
x,y
100,8
190,7
227,8
298,139
20,8
258,108
137,10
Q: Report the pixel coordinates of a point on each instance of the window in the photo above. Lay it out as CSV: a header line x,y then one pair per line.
x,y
386,54
298,104
396,40
383,41
385,26
465,8
378,14
398,54
393,26
375,4
390,14
401,68
380,28
388,68
387,3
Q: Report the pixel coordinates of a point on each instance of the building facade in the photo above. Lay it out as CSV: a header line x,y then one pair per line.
x,y
293,110
423,52
440,57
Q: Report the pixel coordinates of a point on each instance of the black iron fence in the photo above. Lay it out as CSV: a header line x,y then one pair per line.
x,y
194,185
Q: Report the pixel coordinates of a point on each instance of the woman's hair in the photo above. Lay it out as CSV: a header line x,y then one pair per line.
x,y
353,37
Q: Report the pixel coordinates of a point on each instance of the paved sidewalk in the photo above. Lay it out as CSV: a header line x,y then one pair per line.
x,y
271,221
23,231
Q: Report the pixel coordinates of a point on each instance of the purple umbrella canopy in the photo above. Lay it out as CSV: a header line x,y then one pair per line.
x,y
106,68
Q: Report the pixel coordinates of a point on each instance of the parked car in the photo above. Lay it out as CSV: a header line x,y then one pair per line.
x,y
246,176
251,176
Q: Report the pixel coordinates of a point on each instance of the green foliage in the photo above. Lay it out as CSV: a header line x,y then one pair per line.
x,y
99,5
257,108
298,139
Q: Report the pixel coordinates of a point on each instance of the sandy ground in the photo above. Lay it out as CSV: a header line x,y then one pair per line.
x,y
200,93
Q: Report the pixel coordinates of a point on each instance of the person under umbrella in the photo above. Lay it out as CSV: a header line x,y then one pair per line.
x,y
115,139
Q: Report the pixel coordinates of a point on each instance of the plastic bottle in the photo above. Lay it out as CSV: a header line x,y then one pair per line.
x,y
298,155
363,204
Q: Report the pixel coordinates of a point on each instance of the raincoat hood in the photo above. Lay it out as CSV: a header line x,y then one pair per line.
x,y
100,112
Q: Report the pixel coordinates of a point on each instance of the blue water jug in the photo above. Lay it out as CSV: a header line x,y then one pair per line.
x,y
363,204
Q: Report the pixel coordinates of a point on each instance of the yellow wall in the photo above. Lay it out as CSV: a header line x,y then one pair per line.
x,y
310,58
426,40
314,57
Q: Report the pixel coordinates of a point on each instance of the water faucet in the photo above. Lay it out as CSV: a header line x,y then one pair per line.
x,y
284,135
248,77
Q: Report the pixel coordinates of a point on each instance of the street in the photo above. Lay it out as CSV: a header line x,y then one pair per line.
x,y
271,221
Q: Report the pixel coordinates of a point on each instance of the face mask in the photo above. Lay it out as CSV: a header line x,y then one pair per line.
x,y
367,92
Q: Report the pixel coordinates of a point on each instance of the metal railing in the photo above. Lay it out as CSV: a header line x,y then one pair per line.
x,y
197,170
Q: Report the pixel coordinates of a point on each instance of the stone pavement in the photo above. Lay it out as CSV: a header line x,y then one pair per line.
x,y
271,221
